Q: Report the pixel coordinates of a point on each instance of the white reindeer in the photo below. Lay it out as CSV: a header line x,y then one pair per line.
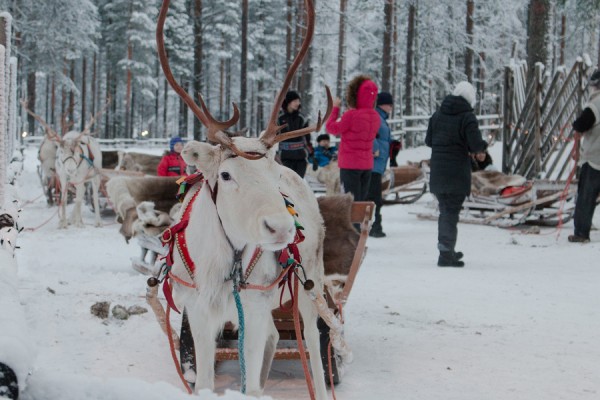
x,y
78,160
240,207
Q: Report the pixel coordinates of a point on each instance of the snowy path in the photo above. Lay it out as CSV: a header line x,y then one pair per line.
x,y
520,321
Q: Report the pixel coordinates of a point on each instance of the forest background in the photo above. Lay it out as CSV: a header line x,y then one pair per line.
x,y
73,55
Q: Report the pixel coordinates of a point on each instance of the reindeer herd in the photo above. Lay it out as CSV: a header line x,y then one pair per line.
x,y
239,208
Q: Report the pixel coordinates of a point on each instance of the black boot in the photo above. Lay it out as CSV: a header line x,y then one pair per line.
x,y
449,259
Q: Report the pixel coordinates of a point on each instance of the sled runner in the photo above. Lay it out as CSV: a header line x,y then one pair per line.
x,y
405,184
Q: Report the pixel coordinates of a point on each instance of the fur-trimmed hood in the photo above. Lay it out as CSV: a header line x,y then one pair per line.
x,y
361,92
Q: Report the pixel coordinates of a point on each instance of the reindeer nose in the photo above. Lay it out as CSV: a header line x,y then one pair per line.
x,y
278,227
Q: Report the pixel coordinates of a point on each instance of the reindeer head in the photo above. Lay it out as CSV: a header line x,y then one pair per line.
x,y
242,171
246,193
68,154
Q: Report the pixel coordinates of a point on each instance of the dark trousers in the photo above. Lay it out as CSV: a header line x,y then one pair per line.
x,y
450,205
298,166
356,181
587,194
374,195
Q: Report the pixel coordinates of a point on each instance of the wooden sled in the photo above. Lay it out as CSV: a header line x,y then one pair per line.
x,y
362,213
404,185
538,203
555,203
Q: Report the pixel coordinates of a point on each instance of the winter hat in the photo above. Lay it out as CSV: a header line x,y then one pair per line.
x,y
465,90
174,140
385,98
323,136
289,97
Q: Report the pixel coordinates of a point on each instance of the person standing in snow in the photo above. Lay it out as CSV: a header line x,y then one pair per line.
x,y
381,150
588,187
172,163
295,151
357,129
453,134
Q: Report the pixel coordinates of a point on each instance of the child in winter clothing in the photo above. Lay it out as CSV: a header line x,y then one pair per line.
x,y
357,129
294,152
324,154
172,163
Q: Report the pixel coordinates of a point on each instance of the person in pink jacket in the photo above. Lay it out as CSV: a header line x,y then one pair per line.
x,y
357,130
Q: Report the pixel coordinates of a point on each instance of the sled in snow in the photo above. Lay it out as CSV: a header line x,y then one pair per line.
x,y
510,200
405,184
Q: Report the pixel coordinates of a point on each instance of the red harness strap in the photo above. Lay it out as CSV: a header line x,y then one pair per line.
x,y
174,236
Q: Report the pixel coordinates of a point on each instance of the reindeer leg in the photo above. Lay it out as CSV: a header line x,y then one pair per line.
x,y
76,214
259,323
95,187
311,336
204,329
63,204
269,353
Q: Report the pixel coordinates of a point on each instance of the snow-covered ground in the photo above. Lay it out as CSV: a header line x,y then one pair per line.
x,y
520,321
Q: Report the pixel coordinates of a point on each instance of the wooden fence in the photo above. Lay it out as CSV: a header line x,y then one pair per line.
x,y
537,136
411,129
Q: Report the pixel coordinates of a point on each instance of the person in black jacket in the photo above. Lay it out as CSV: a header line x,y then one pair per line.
x,y
294,152
453,135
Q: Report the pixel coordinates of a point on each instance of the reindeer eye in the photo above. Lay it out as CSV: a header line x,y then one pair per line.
x,y
225,176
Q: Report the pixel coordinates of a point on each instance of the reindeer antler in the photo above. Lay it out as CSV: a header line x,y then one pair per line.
x,y
270,136
52,134
89,125
216,130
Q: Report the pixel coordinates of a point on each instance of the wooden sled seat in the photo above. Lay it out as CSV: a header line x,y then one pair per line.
x,y
403,185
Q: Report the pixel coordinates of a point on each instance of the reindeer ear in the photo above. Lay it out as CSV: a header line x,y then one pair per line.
x,y
204,156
